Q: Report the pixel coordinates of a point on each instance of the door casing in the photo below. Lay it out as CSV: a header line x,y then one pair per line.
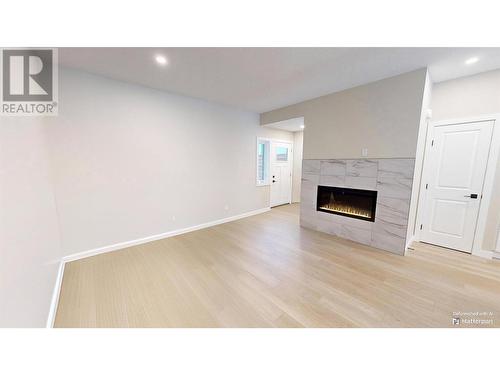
x,y
274,141
488,179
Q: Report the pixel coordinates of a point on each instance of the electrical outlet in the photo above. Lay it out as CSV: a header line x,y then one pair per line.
x,y
226,207
364,152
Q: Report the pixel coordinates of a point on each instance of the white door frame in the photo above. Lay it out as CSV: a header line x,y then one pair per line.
x,y
488,178
271,141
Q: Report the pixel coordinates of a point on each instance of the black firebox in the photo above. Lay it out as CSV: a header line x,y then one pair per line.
x,y
355,203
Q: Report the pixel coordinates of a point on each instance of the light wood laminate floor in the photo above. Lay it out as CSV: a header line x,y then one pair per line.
x,y
266,271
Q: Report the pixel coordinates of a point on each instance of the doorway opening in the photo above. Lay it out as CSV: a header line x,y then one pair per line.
x,y
284,162
281,173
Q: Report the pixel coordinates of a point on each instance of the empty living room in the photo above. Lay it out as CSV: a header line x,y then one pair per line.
x,y
275,202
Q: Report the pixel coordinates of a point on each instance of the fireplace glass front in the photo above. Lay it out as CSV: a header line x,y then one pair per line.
x,y
355,203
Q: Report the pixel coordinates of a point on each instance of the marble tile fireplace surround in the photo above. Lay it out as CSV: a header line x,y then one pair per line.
x,y
390,178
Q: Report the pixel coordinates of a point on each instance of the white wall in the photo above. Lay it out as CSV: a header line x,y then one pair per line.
x,y
130,162
118,163
382,116
419,161
29,237
298,139
467,97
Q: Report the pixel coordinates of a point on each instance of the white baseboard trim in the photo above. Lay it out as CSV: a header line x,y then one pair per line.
x,y
139,241
123,245
487,254
498,241
408,243
496,252
55,296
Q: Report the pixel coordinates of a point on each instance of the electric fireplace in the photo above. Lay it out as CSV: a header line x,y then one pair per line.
x,y
356,203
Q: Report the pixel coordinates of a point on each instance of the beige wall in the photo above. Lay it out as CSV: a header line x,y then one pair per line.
x,y
382,116
466,97
298,138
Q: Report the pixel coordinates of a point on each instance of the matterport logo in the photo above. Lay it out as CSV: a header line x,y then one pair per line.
x,y
29,82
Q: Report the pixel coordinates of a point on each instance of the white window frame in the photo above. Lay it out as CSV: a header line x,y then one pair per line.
x,y
267,160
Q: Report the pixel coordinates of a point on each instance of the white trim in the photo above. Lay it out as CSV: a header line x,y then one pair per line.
x,y
425,117
489,181
487,184
139,241
496,253
422,190
409,242
269,141
267,146
275,125
267,181
466,120
55,295
290,161
276,139
487,254
498,241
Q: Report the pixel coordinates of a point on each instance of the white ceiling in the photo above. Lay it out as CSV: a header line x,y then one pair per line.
x,y
262,79
292,125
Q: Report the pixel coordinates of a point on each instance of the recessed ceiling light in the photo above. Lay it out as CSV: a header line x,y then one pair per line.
x,y
162,60
472,60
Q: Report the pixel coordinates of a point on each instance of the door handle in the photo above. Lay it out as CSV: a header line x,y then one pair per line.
x,y
473,196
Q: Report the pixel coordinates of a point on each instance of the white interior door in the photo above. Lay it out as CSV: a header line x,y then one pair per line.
x,y
281,173
455,167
